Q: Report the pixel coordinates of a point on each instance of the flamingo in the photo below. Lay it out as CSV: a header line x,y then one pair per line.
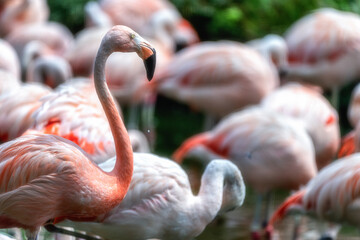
x,y
17,107
272,151
156,19
46,178
8,82
313,109
9,60
273,47
160,203
16,13
55,36
324,50
242,77
332,195
74,112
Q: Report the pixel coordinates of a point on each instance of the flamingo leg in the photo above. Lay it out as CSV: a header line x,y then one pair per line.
x,y
52,228
209,122
133,118
268,204
335,97
147,116
255,225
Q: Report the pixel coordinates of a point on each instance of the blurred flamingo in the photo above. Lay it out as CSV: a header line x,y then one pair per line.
x,y
74,112
156,19
17,107
195,75
272,151
8,82
16,13
32,200
315,112
41,65
56,37
324,49
160,203
273,47
332,195
9,60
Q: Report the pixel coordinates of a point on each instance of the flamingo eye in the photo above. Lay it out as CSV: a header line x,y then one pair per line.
x,y
132,35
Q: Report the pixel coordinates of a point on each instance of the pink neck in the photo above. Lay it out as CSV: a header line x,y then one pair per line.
x,y
124,155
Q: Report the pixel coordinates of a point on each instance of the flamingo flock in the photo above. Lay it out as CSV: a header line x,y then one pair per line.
x,y
78,120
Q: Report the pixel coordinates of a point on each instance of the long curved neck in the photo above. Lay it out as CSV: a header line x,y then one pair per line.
x,y
124,155
210,195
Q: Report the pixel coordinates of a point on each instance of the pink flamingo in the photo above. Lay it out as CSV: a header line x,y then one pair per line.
x,y
273,47
267,148
323,49
16,13
195,75
41,64
157,19
57,180
9,60
17,107
332,195
8,82
74,112
55,36
160,202
319,117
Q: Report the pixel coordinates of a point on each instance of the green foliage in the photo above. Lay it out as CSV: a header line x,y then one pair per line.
x,y
68,12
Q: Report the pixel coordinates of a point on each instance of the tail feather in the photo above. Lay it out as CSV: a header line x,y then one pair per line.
x,y
180,153
347,145
294,199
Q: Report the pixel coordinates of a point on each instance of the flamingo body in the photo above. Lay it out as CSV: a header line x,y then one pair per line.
x,y
254,138
195,75
48,178
332,195
17,107
9,60
324,49
318,116
160,203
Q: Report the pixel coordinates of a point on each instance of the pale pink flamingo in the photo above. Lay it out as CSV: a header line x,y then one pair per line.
x,y
314,111
195,75
55,36
9,60
272,151
157,19
17,107
8,82
42,65
16,13
46,178
273,47
95,16
74,112
324,49
160,203
332,195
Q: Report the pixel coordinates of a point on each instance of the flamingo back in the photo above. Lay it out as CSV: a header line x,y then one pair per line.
x,y
17,107
310,40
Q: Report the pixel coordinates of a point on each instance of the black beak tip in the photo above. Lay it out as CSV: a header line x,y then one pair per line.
x,y
150,64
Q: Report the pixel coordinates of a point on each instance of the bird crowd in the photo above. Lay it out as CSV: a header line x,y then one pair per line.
x,y
71,163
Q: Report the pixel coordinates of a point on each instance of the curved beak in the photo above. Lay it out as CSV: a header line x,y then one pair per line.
x,y
149,58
